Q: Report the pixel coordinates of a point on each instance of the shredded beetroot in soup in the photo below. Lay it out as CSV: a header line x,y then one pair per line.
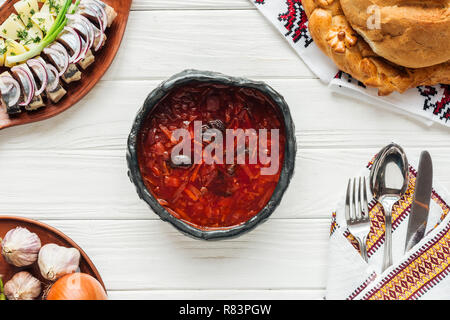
x,y
202,186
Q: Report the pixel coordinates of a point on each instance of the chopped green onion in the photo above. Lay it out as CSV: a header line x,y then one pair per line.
x,y
61,16
2,291
51,36
75,7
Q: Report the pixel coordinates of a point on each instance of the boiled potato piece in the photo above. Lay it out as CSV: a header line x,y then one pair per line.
x,y
12,28
52,6
26,9
32,37
13,48
2,52
43,20
46,17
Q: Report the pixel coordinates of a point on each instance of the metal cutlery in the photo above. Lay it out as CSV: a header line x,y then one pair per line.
x,y
388,182
357,213
421,205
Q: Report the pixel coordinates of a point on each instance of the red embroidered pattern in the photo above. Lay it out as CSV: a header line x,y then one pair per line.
x,y
334,224
437,99
345,76
361,288
420,273
296,22
399,212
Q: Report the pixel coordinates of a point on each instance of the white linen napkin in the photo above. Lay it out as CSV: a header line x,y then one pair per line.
x,y
422,273
428,103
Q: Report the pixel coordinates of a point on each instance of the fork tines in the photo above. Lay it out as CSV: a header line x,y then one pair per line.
x,y
356,210
357,213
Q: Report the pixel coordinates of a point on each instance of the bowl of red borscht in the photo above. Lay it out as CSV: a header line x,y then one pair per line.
x,y
212,154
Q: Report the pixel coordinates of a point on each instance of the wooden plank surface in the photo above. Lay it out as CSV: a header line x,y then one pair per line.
x,y
158,44
152,255
323,120
217,294
191,5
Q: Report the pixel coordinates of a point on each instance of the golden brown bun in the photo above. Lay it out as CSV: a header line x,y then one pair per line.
x,y
411,33
333,35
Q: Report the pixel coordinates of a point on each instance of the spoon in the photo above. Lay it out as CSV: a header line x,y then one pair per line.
x,y
375,165
389,181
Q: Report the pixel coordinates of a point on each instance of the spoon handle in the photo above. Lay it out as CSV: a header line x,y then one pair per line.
x,y
387,257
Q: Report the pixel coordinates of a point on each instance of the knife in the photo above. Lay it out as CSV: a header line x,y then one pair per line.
x,y
421,205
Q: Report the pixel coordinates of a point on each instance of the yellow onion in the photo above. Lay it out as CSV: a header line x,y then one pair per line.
x,y
77,286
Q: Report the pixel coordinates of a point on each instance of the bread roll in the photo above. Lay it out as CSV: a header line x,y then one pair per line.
x,y
411,33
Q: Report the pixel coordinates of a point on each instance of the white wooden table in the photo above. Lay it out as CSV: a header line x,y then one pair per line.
x,y
70,171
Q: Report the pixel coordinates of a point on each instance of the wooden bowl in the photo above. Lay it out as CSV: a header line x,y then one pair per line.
x,y
77,90
47,235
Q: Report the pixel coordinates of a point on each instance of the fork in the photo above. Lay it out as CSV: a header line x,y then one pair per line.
x,y
357,213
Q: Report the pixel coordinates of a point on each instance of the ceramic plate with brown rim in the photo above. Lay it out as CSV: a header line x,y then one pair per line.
x,y
75,90
47,235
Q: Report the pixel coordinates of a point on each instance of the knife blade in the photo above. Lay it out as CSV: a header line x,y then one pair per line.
x,y
421,205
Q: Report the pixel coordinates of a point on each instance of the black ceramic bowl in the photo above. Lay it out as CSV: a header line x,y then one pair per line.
x,y
287,171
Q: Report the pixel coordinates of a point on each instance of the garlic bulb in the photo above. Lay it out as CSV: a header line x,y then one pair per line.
x,y
55,261
20,247
23,286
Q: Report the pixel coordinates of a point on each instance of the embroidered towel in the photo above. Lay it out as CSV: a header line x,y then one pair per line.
x,y
422,273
